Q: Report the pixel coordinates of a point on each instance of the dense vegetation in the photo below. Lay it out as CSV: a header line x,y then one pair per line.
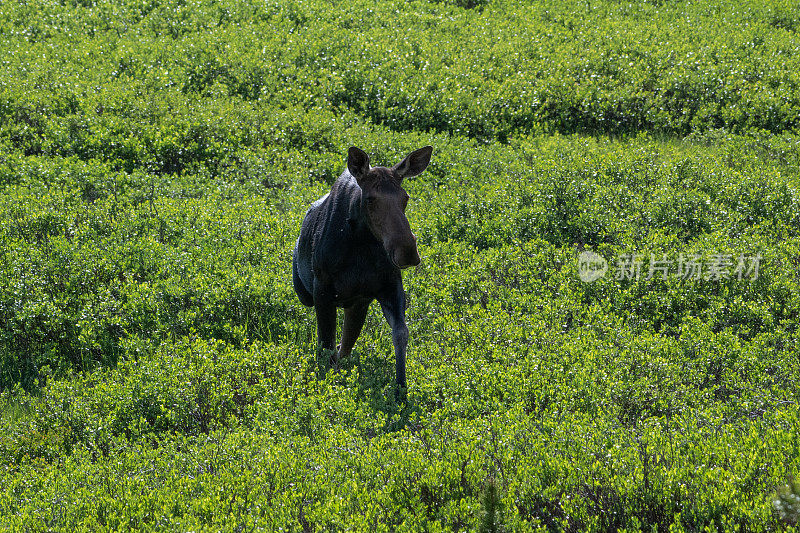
x,y
157,371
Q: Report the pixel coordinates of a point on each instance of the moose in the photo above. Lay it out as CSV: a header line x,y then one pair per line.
x,y
353,243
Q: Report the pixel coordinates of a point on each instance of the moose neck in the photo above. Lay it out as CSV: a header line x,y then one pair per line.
x,y
357,218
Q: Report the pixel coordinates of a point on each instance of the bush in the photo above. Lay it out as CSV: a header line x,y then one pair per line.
x,y
157,371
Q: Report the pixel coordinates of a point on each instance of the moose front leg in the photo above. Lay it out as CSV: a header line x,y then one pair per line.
x,y
394,310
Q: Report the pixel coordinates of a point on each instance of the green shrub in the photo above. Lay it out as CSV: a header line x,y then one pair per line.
x,y
157,371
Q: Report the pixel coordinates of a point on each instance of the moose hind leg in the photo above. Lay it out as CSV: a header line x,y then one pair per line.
x,y
354,318
326,325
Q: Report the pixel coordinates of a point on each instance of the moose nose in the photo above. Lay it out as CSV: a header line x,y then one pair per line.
x,y
414,253
411,258
406,258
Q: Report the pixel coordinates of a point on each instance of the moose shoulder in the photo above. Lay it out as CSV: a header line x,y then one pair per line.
x,y
353,243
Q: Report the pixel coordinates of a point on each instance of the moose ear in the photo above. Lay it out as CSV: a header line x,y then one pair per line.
x,y
414,163
357,162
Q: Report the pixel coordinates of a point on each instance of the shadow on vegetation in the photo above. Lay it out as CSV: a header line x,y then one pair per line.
x,y
376,385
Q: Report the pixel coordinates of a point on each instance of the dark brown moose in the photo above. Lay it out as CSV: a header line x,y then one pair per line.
x,y
353,243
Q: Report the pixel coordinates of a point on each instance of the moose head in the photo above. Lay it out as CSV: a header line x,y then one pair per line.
x,y
384,201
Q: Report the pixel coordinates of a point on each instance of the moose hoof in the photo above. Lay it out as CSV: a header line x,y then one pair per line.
x,y
400,393
328,356
334,357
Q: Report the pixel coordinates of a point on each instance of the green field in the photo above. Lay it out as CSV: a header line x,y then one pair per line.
x,y
158,372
